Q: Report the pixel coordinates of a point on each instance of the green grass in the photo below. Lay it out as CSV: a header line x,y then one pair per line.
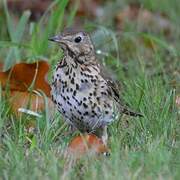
x,y
141,148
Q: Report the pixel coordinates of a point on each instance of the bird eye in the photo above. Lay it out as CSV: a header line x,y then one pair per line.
x,y
106,154
78,39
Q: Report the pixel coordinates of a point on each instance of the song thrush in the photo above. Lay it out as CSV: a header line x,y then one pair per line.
x,y
87,100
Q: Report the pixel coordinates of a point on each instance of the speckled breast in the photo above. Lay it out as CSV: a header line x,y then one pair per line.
x,y
82,99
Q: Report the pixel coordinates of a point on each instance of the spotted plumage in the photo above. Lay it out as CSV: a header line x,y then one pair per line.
x,y
87,100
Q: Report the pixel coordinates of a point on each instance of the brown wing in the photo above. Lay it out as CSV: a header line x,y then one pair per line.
x,y
114,88
112,85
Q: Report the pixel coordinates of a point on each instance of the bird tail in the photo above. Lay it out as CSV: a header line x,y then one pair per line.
x,y
131,113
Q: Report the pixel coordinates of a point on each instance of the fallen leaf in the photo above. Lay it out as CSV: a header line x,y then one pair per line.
x,y
23,76
86,144
22,83
29,101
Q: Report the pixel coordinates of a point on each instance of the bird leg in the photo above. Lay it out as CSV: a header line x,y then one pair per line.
x,y
102,133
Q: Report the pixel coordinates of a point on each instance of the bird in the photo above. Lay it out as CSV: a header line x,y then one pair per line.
x,y
87,99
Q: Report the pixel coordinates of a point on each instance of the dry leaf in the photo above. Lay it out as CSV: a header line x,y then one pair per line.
x,y
21,76
18,80
29,101
86,144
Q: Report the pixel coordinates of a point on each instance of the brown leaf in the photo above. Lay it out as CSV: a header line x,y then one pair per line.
x,y
21,76
29,101
19,79
86,144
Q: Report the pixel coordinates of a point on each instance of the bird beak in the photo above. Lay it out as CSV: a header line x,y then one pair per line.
x,y
55,38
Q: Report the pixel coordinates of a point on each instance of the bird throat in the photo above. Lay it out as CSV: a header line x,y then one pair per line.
x,y
73,57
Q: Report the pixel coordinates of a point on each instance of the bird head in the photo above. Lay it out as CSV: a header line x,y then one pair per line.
x,y
76,43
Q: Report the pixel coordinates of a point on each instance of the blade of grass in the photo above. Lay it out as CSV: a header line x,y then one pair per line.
x,y
15,34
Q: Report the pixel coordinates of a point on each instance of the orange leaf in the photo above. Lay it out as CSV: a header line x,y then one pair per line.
x,y
86,144
21,76
30,101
